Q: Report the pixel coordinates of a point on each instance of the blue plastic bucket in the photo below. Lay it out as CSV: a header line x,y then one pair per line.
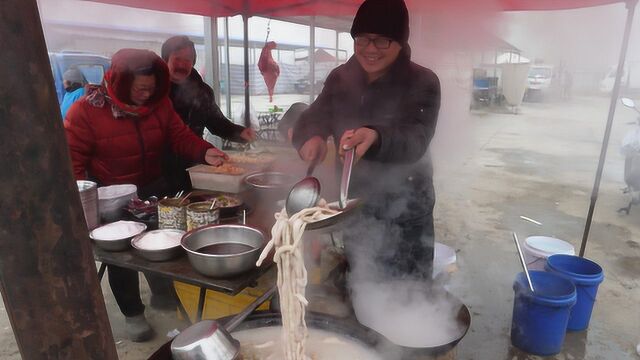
x,y
586,275
539,321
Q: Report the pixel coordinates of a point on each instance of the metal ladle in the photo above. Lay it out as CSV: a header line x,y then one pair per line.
x,y
524,264
210,340
305,193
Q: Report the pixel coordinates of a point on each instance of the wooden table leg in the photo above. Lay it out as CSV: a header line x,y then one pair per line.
x,y
183,312
203,293
103,268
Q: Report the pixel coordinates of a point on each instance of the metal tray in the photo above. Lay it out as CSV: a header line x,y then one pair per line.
x,y
352,208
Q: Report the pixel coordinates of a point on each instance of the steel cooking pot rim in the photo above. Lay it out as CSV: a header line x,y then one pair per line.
x,y
191,232
248,180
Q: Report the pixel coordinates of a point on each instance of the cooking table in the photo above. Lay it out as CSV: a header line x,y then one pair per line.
x,y
180,269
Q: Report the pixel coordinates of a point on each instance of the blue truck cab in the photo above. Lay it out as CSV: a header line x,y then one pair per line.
x,y
92,66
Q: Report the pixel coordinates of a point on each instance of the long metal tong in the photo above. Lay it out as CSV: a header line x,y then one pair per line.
x,y
346,177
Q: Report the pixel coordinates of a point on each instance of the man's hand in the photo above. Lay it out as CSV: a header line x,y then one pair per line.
x,y
315,149
215,157
361,139
248,135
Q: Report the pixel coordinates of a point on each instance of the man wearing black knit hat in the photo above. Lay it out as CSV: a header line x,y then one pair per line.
x,y
194,101
385,108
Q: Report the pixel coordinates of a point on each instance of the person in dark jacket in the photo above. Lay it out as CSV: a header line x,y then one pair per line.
x,y
385,107
117,134
195,102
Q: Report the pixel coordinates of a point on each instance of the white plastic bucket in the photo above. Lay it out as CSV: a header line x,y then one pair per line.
x,y
444,259
112,199
538,248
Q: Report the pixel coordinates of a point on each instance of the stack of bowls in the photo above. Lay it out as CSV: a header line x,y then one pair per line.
x,y
112,200
89,198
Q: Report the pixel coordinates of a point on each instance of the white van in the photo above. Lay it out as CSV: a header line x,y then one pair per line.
x,y
539,82
630,78
540,77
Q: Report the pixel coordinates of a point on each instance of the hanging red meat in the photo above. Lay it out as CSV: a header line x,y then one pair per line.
x,y
269,68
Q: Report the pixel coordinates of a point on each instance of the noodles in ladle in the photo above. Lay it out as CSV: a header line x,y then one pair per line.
x,y
292,274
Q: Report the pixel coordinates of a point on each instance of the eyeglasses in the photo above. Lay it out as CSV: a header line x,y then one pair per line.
x,y
379,42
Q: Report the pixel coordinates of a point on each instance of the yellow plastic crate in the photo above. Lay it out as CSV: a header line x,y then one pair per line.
x,y
216,304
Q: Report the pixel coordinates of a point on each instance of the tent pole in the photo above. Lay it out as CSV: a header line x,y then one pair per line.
x,y
631,6
226,58
247,116
312,58
212,56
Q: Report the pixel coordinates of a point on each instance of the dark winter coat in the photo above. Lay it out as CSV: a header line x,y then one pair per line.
x,y
395,175
195,102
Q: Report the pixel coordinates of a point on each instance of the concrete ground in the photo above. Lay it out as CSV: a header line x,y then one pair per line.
x,y
540,164
491,169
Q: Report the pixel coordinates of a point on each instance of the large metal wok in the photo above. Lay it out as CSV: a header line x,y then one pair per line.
x,y
348,327
460,318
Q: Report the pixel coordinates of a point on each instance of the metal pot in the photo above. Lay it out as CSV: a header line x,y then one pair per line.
x,y
229,240
268,187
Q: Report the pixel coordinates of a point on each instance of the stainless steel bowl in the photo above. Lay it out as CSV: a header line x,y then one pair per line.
x,y
163,254
223,265
119,244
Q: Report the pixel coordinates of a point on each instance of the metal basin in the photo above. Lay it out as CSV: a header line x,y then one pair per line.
x,y
345,327
223,250
111,243
157,254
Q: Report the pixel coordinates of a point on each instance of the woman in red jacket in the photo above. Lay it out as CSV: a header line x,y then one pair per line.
x,y
117,134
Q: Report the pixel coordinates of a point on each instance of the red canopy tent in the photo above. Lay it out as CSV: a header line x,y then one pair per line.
x,y
248,8
326,7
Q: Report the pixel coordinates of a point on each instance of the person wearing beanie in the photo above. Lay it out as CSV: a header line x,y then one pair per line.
x,y
384,107
73,82
116,135
195,102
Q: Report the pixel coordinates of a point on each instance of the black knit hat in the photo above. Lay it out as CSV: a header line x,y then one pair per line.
x,y
177,43
383,17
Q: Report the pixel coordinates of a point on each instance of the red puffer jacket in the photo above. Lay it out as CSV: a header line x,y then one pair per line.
x,y
116,143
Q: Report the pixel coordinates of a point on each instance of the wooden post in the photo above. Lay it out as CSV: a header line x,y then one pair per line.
x,y
47,273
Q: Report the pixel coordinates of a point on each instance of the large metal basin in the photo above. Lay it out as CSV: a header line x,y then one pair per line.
x,y
345,327
223,265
